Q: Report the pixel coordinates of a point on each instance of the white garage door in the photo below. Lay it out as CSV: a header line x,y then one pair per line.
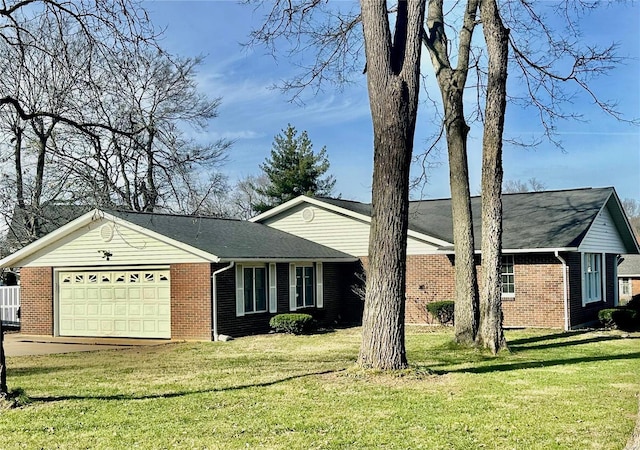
x,y
132,303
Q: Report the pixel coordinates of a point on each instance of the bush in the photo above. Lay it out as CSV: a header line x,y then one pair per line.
x,y
634,303
442,310
619,318
292,323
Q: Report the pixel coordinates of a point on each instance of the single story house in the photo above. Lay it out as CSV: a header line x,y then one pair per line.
x,y
141,275
561,250
629,277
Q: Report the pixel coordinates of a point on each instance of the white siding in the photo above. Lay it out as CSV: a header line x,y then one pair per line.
x,y
603,236
128,247
340,232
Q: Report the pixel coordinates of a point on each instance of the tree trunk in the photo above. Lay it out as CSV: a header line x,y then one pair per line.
x,y
452,83
491,335
393,83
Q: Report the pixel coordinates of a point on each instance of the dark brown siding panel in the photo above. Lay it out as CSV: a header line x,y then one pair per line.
x,y
588,314
337,280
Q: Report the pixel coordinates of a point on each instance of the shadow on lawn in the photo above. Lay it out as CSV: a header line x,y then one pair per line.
x,y
547,337
514,346
178,394
538,364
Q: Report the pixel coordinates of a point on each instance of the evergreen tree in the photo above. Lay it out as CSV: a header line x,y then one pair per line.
x,y
294,169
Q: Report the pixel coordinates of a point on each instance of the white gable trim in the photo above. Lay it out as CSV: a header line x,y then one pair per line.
x,y
342,211
16,259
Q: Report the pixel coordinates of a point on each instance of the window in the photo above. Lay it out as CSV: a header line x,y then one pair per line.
x,y
626,286
304,287
255,289
591,277
508,277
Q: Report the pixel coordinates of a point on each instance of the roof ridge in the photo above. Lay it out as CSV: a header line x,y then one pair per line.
x,y
167,214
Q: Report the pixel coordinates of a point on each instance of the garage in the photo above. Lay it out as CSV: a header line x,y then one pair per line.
x,y
134,303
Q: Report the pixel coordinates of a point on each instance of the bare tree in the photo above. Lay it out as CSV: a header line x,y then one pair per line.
x,y
393,80
516,186
332,32
452,81
490,333
632,208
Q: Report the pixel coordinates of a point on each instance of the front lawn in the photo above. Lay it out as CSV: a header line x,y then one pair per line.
x,y
569,391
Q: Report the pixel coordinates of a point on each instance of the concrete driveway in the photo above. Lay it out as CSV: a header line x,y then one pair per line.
x,y
16,344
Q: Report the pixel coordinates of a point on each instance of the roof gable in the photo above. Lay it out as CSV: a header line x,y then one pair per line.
x,y
207,238
532,221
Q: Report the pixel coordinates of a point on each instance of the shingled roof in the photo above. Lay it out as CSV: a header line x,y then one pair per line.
x,y
630,266
531,220
231,239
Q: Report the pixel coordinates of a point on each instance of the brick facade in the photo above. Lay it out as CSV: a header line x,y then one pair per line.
x,y
36,300
539,296
191,301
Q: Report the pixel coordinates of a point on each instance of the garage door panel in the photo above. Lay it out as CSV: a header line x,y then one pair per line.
x,y
117,304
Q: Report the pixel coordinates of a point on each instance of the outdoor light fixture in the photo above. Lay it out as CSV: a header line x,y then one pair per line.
x,y
106,254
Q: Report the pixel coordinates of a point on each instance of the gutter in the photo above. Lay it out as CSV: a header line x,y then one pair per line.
x,y
564,290
214,300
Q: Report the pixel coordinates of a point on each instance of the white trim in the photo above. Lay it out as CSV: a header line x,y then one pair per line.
x,y
273,288
319,288
288,260
239,290
16,258
508,295
603,283
292,287
565,291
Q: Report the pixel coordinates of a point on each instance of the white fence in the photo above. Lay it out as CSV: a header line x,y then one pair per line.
x,y
9,305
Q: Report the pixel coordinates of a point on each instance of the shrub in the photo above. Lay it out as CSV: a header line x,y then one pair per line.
x,y
292,323
634,303
620,318
442,310
605,316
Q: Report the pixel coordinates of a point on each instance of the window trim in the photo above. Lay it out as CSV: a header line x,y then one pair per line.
x,y
269,276
625,286
599,261
508,295
317,287
253,288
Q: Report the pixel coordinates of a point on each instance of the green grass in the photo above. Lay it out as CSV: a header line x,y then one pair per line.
x,y
569,391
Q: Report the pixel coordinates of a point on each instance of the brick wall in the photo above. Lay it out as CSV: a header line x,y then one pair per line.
x,y
538,300
191,301
36,300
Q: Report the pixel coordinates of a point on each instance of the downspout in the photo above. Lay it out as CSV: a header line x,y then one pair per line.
x,y
564,290
214,300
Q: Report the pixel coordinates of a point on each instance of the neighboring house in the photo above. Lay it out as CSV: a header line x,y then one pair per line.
x,y
560,250
124,274
629,277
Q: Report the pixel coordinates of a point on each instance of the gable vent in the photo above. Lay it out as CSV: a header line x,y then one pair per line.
x,y
308,214
106,232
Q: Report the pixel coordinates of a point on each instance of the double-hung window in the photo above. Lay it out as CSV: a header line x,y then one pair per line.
x,y
591,277
626,286
305,295
508,277
305,285
255,289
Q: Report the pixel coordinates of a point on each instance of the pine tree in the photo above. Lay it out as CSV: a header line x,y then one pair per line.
x,y
294,169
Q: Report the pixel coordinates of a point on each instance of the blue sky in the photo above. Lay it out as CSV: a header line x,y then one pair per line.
x,y
597,152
